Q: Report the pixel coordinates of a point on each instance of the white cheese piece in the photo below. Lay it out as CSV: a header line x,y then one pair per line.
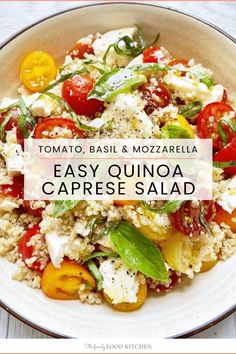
x,y
45,106
192,89
13,154
119,282
7,101
136,61
228,199
60,246
101,44
7,203
127,114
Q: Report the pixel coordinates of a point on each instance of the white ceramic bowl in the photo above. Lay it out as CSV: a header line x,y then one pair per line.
x,y
192,306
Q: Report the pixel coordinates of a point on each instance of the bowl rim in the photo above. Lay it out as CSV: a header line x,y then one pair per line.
x,y
10,310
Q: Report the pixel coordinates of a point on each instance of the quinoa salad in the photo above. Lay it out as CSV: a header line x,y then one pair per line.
x,y
115,85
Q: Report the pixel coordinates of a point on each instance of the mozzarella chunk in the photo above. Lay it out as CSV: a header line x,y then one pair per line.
x,y
136,61
13,154
8,203
119,282
60,246
227,200
189,89
128,116
101,44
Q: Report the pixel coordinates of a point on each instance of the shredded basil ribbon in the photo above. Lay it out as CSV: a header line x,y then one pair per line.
x,y
65,77
6,109
73,115
224,164
100,254
61,206
169,207
201,76
96,273
231,123
4,123
138,252
190,109
26,119
202,219
127,46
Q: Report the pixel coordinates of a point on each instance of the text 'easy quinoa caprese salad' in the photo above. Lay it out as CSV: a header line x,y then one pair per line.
x,y
115,85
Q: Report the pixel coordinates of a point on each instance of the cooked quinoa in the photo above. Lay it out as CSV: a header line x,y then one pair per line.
x,y
73,255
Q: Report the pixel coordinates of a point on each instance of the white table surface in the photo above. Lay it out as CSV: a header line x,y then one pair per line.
x,y
16,15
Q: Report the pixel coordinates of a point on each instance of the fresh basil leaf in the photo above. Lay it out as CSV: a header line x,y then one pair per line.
x,y
100,254
190,109
174,132
227,121
65,77
207,81
224,164
73,115
138,252
114,82
92,224
26,119
169,207
61,206
96,273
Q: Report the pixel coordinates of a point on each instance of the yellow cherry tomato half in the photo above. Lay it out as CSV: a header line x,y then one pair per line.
x,y
208,265
153,235
37,70
182,122
63,283
130,306
125,202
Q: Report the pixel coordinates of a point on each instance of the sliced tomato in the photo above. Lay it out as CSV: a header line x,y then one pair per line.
x,y
28,252
156,94
80,49
174,279
225,217
75,91
37,212
16,189
228,153
207,123
13,123
48,129
187,218
156,55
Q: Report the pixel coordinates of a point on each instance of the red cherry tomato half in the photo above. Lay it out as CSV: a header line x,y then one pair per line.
x,y
187,218
156,55
28,251
178,62
16,189
47,129
174,279
12,123
80,49
156,94
75,91
207,123
228,153
225,96
29,208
